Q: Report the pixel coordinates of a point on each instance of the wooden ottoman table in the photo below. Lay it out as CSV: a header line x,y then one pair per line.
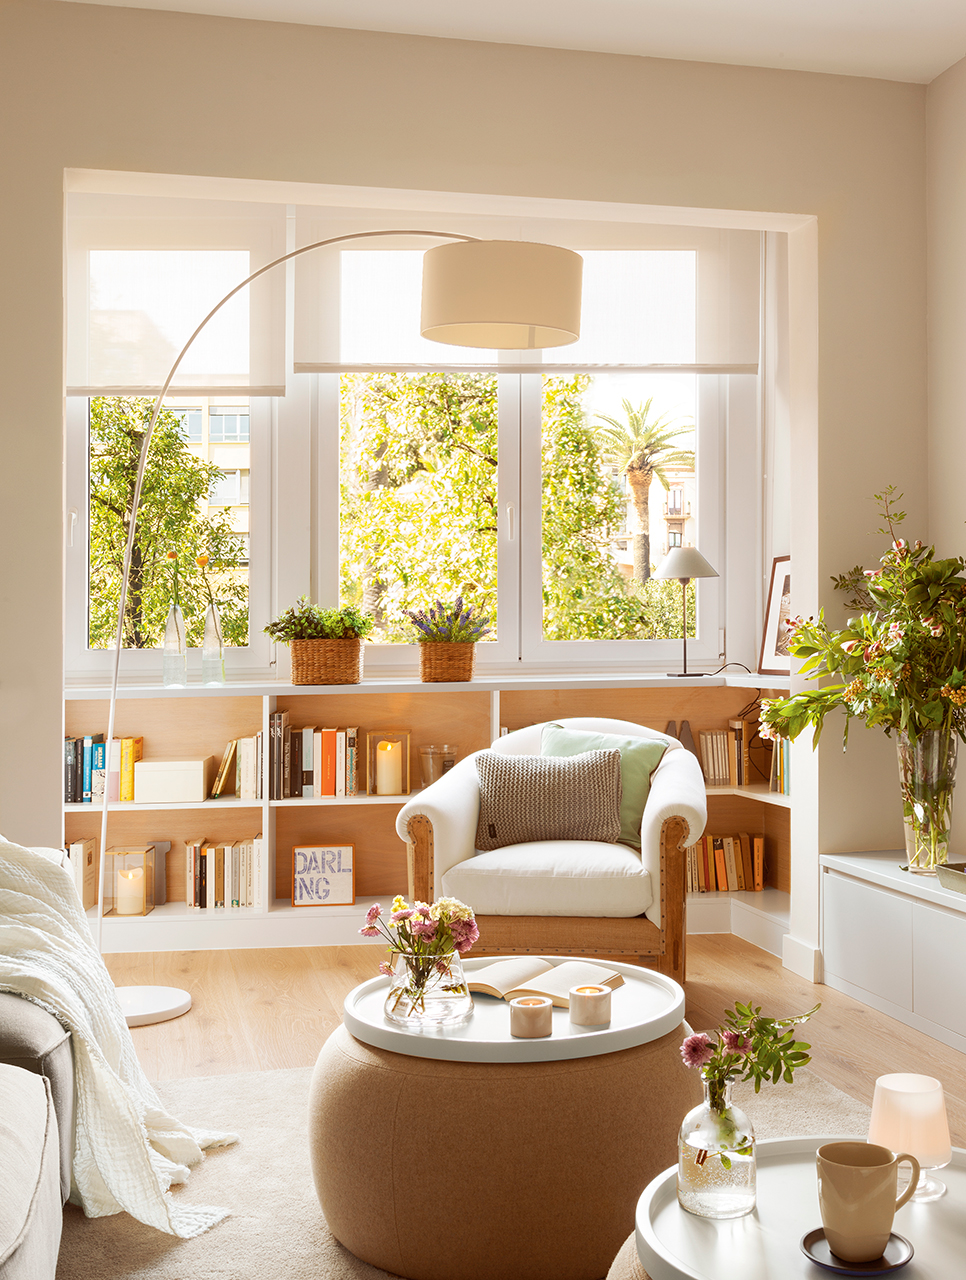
x,y
466,1154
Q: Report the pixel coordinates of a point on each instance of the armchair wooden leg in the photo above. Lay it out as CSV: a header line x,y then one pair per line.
x,y
419,858
673,899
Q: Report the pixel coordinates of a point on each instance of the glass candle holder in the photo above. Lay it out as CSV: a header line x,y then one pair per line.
x,y
387,754
909,1114
129,881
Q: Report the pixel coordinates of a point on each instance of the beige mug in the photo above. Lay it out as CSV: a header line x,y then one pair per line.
x,y
857,1183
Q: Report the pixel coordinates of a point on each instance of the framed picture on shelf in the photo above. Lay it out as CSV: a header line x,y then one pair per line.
x,y
775,660
323,875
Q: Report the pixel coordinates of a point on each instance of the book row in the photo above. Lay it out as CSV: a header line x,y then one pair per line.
x,y
725,754
781,768
311,762
88,768
732,863
223,876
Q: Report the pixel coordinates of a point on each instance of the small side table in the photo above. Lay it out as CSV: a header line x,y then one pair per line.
x,y
764,1245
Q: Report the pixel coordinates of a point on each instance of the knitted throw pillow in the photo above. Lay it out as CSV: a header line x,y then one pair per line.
x,y
526,798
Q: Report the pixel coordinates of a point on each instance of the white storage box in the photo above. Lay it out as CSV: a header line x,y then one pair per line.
x,y
166,781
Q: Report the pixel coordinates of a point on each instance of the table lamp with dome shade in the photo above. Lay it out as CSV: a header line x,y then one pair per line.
x,y
684,563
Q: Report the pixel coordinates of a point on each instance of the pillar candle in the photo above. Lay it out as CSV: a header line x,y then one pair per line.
x,y
389,768
130,892
589,1006
531,1017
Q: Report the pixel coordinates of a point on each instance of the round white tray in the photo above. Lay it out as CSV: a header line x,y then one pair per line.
x,y
673,1244
646,1007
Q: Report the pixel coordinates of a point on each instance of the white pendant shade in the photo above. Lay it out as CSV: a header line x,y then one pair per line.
x,y
684,562
508,295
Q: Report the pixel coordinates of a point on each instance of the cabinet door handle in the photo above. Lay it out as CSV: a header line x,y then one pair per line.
x,y
511,525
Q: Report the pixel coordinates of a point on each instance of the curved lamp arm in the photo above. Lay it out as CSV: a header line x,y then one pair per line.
x,y
136,500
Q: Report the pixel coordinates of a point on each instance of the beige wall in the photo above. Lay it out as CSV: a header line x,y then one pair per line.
x,y
946,150
110,88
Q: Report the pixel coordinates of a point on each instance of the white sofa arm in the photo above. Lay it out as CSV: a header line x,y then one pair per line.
x,y
677,790
452,805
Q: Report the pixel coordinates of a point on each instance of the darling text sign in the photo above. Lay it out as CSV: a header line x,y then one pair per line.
x,y
323,875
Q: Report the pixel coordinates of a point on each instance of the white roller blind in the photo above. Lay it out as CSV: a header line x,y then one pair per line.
x,y
144,272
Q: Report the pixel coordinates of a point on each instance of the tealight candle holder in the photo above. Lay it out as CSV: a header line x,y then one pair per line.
x,y
531,1017
129,881
387,752
589,1006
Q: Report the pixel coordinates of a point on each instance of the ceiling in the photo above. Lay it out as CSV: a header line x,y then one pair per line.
x,y
912,40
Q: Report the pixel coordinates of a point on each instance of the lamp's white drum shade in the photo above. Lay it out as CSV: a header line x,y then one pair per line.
x,y
684,562
909,1114
511,295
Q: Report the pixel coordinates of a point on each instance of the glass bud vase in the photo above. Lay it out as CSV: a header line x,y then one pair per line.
x,y
927,775
174,655
428,991
716,1157
213,648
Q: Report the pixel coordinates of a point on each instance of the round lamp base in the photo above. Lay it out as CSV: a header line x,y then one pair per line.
x,y
142,1006
928,1189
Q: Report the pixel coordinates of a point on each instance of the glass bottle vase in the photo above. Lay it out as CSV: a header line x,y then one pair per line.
x,y
927,775
716,1157
213,648
428,991
174,653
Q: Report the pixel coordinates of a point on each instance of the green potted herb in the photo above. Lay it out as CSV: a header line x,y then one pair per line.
x,y
326,644
447,636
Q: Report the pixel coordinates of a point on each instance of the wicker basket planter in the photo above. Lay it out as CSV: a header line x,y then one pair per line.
x,y
326,661
444,660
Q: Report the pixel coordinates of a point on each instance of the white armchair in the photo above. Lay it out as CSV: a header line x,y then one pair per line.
x,y
564,897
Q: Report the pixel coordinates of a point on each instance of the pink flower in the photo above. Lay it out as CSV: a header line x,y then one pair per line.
x,y
424,929
385,968
442,967
900,544
734,1042
465,933
369,931
871,573
401,915
373,914
697,1051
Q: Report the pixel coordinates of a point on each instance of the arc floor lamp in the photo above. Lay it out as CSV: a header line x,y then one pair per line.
x,y
509,295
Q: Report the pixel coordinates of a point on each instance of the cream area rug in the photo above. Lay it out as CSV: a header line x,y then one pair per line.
x,y
276,1228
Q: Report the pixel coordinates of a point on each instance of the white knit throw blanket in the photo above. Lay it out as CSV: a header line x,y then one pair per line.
x,y
127,1150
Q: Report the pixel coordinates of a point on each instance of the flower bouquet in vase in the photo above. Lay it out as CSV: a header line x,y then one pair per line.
x,y
426,942
717,1175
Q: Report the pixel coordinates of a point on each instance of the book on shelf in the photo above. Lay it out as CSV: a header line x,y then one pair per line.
x,y
83,864
247,755
781,767
328,762
308,757
295,766
731,866
529,976
352,761
758,861
132,750
225,778
732,863
340,762
744,851
90,740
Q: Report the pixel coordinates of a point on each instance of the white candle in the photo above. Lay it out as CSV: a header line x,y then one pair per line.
x,y
589,1006
130,892
531,1017
389,768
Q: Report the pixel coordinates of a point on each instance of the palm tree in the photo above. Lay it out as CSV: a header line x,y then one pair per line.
x,y
642,449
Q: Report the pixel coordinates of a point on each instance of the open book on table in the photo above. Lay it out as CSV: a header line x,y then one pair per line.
x,y
530,976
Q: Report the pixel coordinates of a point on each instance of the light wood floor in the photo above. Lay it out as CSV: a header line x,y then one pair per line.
x,y
254,1010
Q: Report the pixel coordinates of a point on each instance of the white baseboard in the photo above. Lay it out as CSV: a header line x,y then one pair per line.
x,y
758,918
802,958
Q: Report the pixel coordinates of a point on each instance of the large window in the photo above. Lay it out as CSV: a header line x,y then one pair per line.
x,y
544,487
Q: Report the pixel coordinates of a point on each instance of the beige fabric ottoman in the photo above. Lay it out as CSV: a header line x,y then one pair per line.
x,y
437,1170
627,1265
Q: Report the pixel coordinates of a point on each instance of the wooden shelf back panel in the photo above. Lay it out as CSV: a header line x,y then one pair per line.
x,y
380,856
461,720
141,827
172,728
703,708
729,814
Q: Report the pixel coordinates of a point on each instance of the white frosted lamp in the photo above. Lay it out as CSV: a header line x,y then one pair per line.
x,y
909,1114
503,294
684,563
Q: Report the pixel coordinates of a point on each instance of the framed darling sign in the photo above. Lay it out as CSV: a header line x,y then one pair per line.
x,y
775,660
323,875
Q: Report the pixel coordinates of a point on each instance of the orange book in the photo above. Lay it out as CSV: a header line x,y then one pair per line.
x,y
328,761
758,860
720,866
746,864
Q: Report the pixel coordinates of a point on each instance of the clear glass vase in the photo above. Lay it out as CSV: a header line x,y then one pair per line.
x,y
428,991
213,648
174,654
927,776
716,1157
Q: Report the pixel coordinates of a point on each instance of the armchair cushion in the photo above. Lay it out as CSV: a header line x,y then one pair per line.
x,y
524,798
553,878
639,758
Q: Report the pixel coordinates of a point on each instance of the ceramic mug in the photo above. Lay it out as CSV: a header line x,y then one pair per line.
x,y
857,1183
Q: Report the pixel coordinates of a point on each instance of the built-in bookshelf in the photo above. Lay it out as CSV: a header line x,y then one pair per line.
x,y
195,722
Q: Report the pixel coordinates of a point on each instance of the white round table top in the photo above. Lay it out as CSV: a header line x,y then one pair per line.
x,y
646,1007
673,1244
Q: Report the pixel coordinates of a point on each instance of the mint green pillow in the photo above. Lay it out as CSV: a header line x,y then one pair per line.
x,y
639,758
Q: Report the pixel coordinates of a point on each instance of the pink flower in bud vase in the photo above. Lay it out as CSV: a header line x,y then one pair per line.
x,y
735,1042
697,1051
